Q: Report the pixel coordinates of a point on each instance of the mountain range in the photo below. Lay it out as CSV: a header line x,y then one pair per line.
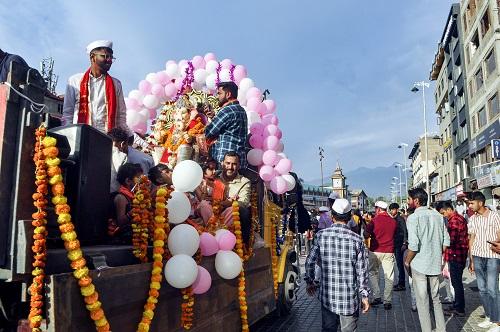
x,y
374,181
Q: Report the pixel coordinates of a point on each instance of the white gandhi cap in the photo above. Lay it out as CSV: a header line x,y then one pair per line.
x,y
99,43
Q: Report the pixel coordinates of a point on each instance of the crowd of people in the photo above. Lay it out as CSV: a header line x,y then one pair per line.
x,y
347,249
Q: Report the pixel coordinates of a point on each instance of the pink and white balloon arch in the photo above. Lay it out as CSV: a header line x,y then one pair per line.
x,y
203,73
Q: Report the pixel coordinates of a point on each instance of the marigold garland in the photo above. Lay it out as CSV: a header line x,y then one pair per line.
x,y
274,255
141,218
214,222
68,234
159,240
39,234
242,296
187,308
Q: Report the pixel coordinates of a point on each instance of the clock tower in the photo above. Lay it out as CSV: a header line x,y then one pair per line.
x,y
338,182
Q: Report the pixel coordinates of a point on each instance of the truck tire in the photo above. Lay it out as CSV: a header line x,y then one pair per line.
x,y
287,290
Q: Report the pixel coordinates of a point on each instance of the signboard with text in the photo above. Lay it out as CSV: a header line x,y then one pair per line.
x,y
495,148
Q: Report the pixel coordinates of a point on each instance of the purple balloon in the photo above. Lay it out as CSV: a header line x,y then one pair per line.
x,y
203,281
145,87
256,141
170,90
283,166
254,157
269,157
208,244
271,143
256,128
266,172
227,241
132,104
278,185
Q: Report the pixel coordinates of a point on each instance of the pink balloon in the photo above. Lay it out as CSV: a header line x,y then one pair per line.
x,y
270,130
140,128
253,104
278,185
262,109
283,166
162,78
198,62
170,90
254,157
227,241
256,128
132,104
183,63
239,73
210,56
269,157
271,143
254,92
170,62
226,63
158,90
279,134
219,233
256,141
270,119
270,105
280,148
152,114
145,87
203,281
266,172
208,244
178,84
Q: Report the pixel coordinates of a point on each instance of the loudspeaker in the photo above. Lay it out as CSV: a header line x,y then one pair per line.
x,y
87,173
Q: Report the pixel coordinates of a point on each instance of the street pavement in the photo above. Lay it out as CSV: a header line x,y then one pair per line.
x,y
306,313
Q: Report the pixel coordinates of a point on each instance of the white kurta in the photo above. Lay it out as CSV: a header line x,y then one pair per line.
x,y
97,103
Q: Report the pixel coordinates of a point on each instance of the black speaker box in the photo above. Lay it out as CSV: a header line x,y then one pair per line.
x,y
87,172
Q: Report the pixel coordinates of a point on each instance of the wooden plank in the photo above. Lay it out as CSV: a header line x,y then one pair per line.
x,y
123,291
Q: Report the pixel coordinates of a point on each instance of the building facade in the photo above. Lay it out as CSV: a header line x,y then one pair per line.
x,y
314,196
359,199
420,166
339,183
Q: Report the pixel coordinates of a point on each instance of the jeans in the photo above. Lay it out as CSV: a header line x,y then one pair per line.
x,y
424,315
456,272
330,321
386,261
398,255
487,281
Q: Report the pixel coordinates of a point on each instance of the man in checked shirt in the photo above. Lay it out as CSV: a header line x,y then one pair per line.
x,y
343,259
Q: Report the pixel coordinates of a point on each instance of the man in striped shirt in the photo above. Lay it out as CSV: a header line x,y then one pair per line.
x,y
484,228
343,259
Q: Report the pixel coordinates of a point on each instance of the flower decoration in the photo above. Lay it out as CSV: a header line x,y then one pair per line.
x,y
141,217
242,296
187,308
274,253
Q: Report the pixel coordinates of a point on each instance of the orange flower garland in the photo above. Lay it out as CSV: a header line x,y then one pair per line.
x,y
141,219
68,234
40,233
242,296
187,308
198,128
159,239
214,221
274,256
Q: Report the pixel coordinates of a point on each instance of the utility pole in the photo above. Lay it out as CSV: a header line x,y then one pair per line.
x,y
47,69
321,157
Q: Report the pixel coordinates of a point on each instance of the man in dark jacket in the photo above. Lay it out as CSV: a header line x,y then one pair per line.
x,y
400,242
5,60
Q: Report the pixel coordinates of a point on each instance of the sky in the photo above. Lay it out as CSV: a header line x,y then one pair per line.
x,y
339,71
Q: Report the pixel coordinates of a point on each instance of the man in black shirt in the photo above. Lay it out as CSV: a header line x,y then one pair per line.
x,y
400,243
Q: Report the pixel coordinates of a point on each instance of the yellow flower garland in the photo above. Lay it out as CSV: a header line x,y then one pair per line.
x,y
187,308
71,243
141,219
159,240
274,255
242,296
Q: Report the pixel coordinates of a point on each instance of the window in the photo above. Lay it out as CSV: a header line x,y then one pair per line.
x,y
481,118
463,131
493,106
485,23
474,44
478,78
490,62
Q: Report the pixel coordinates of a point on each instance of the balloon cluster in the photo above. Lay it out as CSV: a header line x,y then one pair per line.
x,y
203,73
181,270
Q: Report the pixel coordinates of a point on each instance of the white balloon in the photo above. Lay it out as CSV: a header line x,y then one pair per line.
x,y
133,118
211,81
178,207
228,264
172,70
181,271
183,239
136,94
282,155
211,66
200,76
225,75
151,101
151,78
144,113
290,181
246,84
252,117
242,98
187,176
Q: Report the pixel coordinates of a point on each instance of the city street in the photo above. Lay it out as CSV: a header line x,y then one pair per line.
x,y
306,314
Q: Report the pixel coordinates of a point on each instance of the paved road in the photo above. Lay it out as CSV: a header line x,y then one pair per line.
x,y
306,314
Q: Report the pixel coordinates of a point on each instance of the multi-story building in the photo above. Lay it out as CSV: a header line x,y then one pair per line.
x,y
421,167
481,28
448,70
359,200
314,196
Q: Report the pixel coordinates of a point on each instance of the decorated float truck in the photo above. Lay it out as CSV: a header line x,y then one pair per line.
x,y
62,301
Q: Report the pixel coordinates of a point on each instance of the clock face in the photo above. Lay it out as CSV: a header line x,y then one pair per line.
x,y
337,183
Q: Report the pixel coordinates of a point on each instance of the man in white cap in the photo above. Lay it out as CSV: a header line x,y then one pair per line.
x,y
94,97
381,233
342,257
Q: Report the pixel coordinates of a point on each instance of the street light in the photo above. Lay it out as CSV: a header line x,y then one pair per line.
x,y
404,146
399,166
416,86
321,157
395,178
